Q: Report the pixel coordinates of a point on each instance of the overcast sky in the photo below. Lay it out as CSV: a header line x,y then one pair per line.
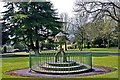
x,y
63,6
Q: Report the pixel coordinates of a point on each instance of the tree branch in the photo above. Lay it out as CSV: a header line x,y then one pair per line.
x,y
109,14
113,4
114,11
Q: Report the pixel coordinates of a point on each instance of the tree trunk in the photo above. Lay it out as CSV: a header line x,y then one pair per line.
x,y
5,49
88,45
104,45
41,48
81,47
65,46
31,44
108,43
37,47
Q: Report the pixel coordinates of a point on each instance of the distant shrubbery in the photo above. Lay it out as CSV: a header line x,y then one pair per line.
x,y
20,47
71,46
8,49
49,46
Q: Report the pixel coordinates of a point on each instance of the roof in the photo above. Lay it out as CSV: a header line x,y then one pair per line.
x,y
60,34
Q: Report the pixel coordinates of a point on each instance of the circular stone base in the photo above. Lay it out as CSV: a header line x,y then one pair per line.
x,y
25,73
61,64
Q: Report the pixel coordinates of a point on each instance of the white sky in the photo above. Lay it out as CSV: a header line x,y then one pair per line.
x,y
1,6
63,6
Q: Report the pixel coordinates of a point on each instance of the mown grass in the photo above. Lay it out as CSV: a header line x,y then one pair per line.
x,y
109,61
13,63
94,50
110,50
99,50
22,62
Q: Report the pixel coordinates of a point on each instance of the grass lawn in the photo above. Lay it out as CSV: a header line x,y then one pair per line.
x,y
109,50
99,50
13,63
22,62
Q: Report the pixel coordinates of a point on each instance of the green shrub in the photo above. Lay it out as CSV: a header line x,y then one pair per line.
x,y
49,46
70,47
8,48
20,46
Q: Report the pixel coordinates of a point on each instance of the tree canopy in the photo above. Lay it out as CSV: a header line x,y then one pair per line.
x,y
100,9
30,22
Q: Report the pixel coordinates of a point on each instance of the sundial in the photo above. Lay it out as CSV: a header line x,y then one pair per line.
x,y
60,62
60,39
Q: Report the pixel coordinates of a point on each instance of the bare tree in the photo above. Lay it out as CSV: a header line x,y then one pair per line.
x,y
103,28
98,9
76,28
64,18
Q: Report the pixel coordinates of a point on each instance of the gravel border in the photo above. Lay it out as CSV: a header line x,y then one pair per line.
x,y
24,72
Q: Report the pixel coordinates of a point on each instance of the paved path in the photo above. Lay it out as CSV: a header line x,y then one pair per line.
x,y
96,70
14,55
27,54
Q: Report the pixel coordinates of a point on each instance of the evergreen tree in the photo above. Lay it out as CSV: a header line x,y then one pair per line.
x,y
32,22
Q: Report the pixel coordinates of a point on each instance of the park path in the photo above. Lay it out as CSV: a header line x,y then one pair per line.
x,y
27,54
111,54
